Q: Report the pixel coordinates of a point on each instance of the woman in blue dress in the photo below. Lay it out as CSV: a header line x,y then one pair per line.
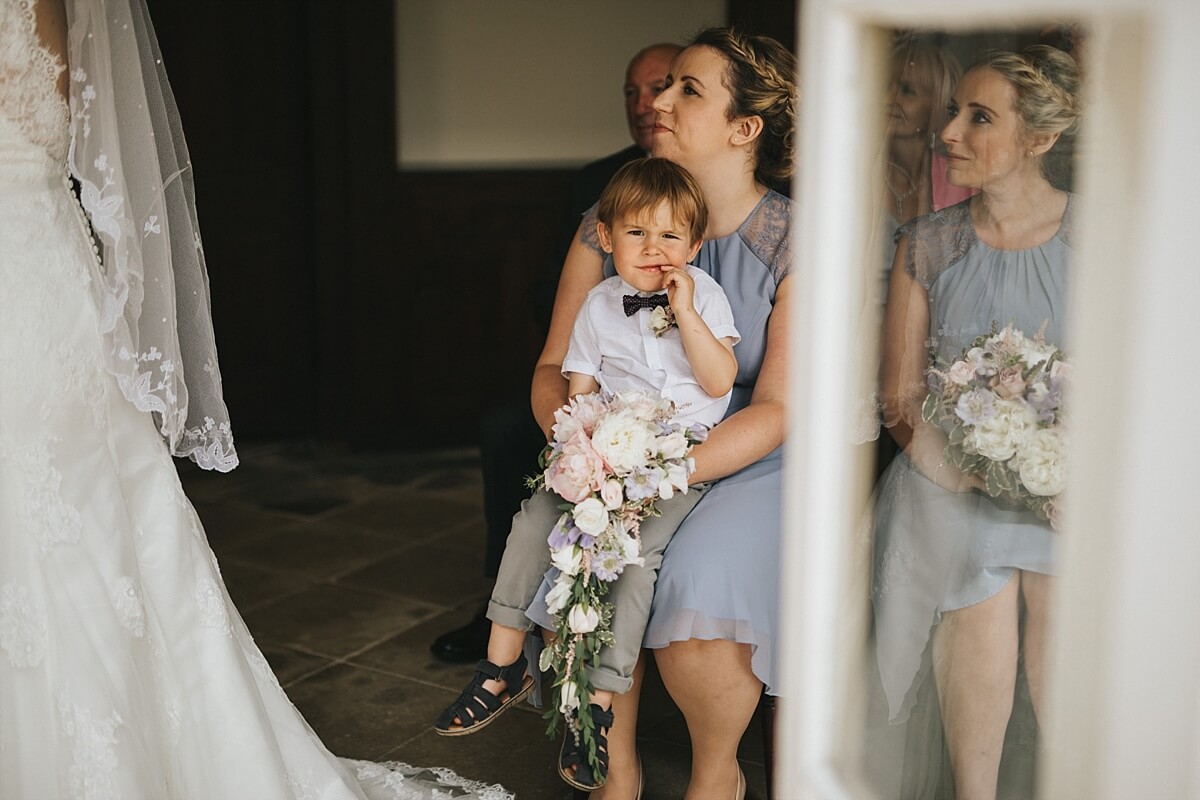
x,y
963,584
727,115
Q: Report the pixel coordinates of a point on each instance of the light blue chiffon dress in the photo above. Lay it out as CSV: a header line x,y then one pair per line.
x,y
938,551
719,576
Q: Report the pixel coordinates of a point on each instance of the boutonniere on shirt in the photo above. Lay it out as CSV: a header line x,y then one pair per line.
x,y
662,319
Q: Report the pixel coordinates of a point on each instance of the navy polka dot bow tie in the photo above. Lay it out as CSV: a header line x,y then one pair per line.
x,y
632,302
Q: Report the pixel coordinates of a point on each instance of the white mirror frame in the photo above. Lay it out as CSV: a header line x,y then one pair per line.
x,y
1126,724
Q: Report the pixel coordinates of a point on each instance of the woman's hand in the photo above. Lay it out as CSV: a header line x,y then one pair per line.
x,y
582,270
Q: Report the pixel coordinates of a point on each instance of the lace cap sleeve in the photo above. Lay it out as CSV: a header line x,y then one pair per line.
x,y
936,241
768,234
587,232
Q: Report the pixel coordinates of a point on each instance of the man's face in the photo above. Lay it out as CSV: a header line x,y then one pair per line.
x,y
643,81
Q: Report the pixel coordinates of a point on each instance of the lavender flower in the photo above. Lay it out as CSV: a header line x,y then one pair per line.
x,y
607,565
642,483
976,406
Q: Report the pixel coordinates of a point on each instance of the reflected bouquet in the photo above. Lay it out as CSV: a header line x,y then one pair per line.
x,y
612,458
1001,405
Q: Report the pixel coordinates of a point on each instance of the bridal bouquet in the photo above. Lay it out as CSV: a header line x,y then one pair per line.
x,y
613,456
1000,404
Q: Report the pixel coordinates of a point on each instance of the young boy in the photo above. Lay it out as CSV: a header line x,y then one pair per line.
x,y
651,220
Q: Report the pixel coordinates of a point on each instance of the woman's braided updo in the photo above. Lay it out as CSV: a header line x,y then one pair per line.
x,y
1047,84
761,77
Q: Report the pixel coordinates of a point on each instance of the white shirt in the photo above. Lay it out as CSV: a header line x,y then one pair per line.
x,y
621,352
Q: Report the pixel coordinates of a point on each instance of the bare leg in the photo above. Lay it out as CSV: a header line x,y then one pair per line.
x,y
975,666
504,647
624,774
713,686
1037,590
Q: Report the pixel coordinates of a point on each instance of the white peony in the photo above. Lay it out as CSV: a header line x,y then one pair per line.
x,y
560,594
1043,462
591,516
1009,428
567,559
582,619
623,441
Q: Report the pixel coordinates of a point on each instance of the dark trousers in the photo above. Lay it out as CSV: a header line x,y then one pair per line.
x,y
509,443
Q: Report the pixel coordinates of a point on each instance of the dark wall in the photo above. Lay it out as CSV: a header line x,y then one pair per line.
x,y
353,302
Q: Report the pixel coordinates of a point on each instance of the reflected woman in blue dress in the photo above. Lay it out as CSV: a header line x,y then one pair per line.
x,y
962,584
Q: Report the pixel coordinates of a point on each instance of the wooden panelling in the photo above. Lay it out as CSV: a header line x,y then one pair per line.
x,y
353,302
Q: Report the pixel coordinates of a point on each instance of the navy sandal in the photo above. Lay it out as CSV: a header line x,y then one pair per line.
x,y
574,754
476,707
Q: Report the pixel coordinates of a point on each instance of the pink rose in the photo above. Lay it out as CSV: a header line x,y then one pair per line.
x,y
1010,383
1053,512
578,472
612,493
961,373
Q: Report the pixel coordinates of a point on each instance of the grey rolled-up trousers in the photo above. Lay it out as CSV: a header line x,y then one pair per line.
x,y
527,558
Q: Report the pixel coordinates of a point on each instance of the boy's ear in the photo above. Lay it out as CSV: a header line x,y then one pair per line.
x,y
605,237
695,249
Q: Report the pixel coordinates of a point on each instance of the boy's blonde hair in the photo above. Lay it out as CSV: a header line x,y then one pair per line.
x,y
643,184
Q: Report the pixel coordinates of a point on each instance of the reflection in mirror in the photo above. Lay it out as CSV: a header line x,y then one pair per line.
x,y
966,294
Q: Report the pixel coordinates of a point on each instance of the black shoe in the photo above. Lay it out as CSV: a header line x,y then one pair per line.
x,y
464,645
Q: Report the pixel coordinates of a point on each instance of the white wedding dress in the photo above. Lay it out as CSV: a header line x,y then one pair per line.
x,y
125,670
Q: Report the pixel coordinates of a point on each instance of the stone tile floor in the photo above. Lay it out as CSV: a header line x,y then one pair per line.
x,y
346,566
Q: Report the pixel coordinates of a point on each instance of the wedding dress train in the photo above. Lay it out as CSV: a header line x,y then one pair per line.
x,y
125,670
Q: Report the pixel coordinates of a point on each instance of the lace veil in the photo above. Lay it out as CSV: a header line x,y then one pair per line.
x,y
128,154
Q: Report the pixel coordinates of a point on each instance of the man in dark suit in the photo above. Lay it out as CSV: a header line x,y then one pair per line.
x,y
510,440
645,78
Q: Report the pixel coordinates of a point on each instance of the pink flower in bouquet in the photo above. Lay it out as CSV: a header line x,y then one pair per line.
x,y
578,471
580,414
612,494
1053,510
1010,383
961,373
